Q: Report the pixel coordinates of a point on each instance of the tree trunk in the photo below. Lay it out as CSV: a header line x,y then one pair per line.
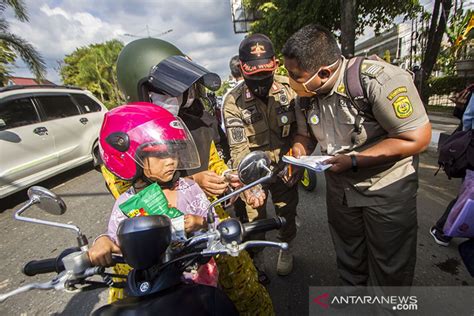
x,y
435,35
348,27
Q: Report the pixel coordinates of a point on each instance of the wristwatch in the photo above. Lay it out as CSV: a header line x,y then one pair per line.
x,y
355,168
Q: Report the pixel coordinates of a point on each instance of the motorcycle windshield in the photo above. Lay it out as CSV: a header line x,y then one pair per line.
x,y
176,74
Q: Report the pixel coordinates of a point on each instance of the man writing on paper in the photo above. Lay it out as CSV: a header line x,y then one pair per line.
x,y
373,181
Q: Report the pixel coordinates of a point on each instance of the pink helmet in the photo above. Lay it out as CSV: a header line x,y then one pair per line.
x,y
134,131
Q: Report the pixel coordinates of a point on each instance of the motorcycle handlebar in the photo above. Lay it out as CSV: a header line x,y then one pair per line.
x,y
35,267
263,225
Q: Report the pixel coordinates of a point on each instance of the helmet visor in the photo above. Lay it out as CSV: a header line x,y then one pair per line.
x,y
165,139
176,74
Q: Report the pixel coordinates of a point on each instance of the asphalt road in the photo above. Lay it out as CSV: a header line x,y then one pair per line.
x,y
89,205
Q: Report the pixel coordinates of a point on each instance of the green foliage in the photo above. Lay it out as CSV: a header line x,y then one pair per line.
x,y
7,57
223,89
94,68
457,43
448,84
13,44
386,56
281,18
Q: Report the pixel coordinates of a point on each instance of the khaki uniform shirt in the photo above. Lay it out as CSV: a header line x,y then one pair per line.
x,y
333,121
253,125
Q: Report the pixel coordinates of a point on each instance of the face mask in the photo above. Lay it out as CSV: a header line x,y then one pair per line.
x,y
169,103
260,87
191,97
302,88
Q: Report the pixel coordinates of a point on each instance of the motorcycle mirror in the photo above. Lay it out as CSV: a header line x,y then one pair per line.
x,y
47,200
253,167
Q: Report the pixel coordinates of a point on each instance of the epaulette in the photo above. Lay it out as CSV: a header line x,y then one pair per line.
x,y
282,79
371,68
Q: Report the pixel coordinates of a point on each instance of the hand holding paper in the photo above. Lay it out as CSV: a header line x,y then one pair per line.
x,y
309,162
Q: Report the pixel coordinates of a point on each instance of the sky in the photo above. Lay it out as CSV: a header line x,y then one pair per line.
x,y
201,28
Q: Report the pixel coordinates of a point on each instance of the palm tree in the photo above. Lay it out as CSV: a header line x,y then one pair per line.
x,y
25,50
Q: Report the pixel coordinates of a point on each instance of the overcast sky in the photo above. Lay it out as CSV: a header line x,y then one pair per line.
x,y
201,28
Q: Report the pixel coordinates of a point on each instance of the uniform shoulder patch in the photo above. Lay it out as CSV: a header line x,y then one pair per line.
x,y
233,121
402,107
396,92
371,69
236,135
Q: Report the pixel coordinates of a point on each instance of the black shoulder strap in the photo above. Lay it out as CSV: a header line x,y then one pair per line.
x,y
353,83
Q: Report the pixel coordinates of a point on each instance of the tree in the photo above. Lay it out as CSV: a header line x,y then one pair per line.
x,y
12,43
439,20
94,68
7,57
281,18
348,30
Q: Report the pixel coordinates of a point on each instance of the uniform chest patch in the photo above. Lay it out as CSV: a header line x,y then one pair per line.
x,y
314,119
341,88
403,107
283,98
251,115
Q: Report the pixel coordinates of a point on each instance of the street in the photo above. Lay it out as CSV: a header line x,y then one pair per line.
x,y
89,205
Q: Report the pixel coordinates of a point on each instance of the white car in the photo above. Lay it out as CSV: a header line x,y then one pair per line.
x,y
45,130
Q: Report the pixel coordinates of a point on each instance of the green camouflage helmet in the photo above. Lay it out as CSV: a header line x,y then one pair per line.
x,y
135,62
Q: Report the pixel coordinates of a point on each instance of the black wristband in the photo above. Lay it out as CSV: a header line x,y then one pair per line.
x,y
355,168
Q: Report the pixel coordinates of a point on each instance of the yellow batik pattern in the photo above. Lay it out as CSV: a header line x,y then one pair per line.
x,y
238,278
216,163
116,185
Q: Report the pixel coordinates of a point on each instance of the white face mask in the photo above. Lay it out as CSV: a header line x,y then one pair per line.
x,y
169,103
191,97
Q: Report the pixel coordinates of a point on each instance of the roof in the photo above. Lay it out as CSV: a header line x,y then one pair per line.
x,y
23,81
37,87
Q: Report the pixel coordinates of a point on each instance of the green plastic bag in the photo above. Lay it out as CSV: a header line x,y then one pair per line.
x,y
149,201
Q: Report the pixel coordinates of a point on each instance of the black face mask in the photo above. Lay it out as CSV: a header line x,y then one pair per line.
x,y
261,86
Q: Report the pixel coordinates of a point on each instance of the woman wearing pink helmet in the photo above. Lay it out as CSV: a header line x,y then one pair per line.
x,y
145,144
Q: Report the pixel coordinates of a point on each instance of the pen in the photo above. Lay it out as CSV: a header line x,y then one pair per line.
x,y
289,165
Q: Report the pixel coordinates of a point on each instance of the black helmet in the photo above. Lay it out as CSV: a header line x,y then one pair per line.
x,y
144,239
135,62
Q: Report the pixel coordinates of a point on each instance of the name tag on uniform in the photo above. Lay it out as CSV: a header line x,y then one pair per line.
x,y
286,130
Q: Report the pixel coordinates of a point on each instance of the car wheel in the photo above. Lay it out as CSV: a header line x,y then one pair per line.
x,y
97,161
309,180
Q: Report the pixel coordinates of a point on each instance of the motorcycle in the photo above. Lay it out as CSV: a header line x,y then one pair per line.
x,y
155,284
309,180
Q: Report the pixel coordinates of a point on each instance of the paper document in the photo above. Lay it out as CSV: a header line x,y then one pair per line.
x,y
309,162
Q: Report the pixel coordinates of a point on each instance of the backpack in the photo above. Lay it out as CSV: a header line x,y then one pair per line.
x,y
456,155
353,84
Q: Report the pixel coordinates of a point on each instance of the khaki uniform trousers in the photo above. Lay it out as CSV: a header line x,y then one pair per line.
x,y
375,245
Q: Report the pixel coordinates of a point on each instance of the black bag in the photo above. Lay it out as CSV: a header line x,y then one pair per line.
x,y
456,155
466,250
